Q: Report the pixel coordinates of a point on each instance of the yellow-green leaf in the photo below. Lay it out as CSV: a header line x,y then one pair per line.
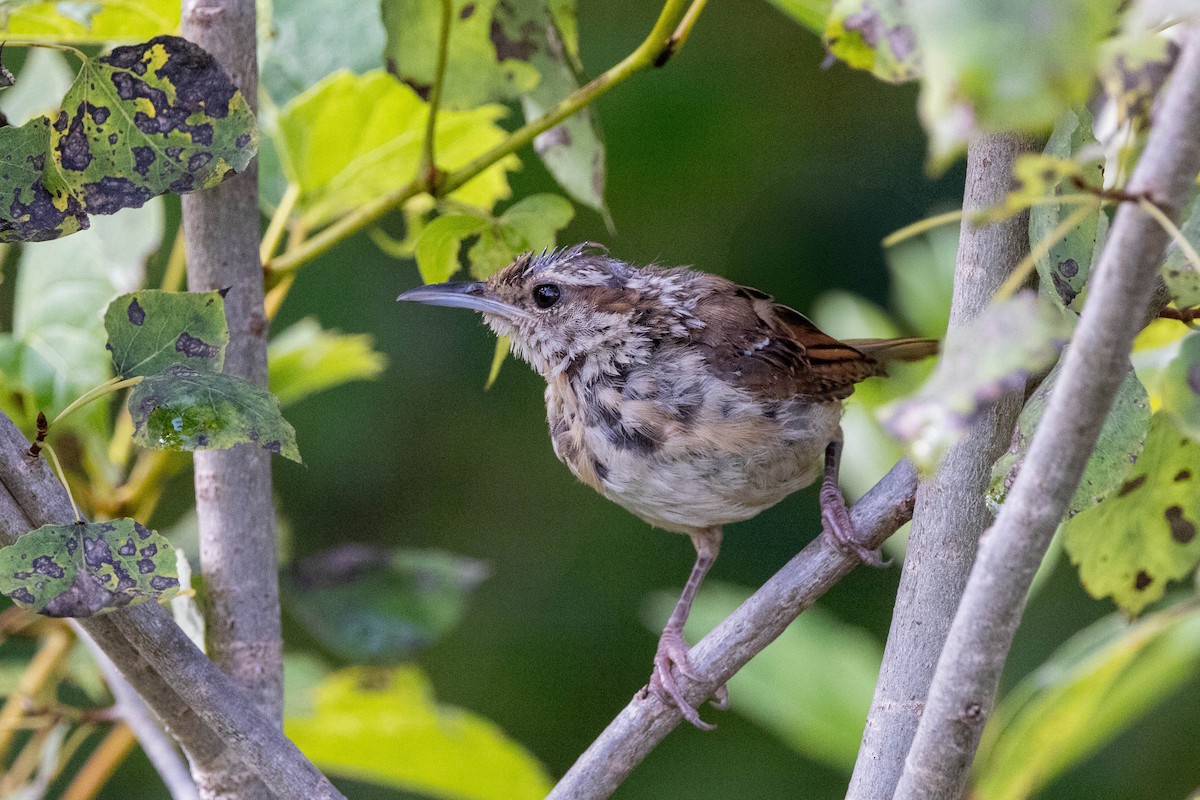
x,y
89,21
438,244
874,35
305,359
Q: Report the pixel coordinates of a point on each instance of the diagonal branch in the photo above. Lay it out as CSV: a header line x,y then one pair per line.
x,y
950,511
968,672
647,720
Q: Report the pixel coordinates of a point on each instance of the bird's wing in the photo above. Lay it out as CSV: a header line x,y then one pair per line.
x,y
769,349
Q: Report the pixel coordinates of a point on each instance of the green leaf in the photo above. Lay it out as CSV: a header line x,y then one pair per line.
x,y
812,14
822,716
89,21
1135,64
998,352
340,168
1179,273
147,119
485,63
1144,535
527,226
503,345
306,359
921,272
1065,268
30,210
182,409
1098,684
874,35
1116,450
289,30
438,244
384,726
999,66
372,605
1180,385
45,78
151,330
87,568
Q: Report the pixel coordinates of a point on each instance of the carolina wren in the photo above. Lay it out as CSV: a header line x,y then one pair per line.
x,y
687,399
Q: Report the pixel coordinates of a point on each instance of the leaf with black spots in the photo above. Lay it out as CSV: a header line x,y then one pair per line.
x,y
1178,271
1144,534
151,330
147,119
373,605
88,568
183,409
31,211
874,35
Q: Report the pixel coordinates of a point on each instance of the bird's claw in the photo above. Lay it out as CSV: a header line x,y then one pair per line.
x,y
672,651
839,531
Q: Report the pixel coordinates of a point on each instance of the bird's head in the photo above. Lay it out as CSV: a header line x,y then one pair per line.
x,y
572,308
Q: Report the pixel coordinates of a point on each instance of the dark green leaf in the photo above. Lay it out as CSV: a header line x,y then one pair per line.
x,y
182,409
1181,387
31,211
1143,536
1115,453
150,330
438,244
85,569
373,605
147,119
874,35
998,352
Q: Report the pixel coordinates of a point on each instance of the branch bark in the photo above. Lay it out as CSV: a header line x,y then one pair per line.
x,y
204,711
233,487
965,682
647,720
950,511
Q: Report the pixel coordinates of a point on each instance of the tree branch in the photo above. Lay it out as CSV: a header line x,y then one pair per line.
x,y
950,512
968,672
233,487
201,707
756,623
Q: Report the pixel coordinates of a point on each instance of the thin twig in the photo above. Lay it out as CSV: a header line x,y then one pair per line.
x,y
964,687
427,169
647,720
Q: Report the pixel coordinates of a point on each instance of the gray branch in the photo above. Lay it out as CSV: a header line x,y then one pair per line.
x,y
968,672
210,717
756,623
950,511
233,487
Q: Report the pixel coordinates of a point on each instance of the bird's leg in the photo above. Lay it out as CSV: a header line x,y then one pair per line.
x,y
672,649
835,517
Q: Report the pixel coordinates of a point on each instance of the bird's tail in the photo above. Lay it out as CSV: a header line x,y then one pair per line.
x,y
885,350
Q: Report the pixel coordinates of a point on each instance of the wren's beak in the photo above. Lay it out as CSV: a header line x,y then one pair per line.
x,y
465,294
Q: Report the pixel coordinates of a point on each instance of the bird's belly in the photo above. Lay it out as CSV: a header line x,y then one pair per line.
x,y
710,473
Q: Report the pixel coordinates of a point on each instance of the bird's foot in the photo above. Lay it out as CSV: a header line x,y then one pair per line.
x,y
673,650
839,529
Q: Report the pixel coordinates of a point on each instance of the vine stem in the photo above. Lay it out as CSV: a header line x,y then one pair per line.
x,y
111,385
1170,227
62,478
644,56
279,221
62,48
427,170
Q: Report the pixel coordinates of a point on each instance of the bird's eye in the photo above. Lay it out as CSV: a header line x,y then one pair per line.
x,y
546,295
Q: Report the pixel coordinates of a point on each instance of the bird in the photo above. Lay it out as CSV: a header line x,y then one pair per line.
x,y
689,400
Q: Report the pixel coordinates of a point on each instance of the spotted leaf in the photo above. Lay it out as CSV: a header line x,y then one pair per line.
x,y
1178,271
151,330
147,119
88,568
874,35
31,210
1144,535
184,409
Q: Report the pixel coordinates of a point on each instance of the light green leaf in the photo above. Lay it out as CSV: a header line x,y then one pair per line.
x,y
340,168
1098,684
503,345
874,35
495,249
998,352
30,210
182,409
87,568
372,605
1178,271
530,225
1115,453
289,61
921,271
89,21
1144,535
306,359
812,14
147,119
821,716
384,726
486,62
1180,385
438,244
151,330
998,66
